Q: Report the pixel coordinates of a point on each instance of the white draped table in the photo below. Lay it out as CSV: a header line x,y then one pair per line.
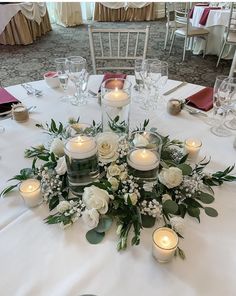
x,y
216,24
40,260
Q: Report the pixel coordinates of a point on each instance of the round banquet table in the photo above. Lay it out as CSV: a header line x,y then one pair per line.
x,y
40,259
216,24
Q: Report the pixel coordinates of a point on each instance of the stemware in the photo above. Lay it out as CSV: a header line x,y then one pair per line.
x,y
62,72
226,98
212,120
140,72
77,70
231,124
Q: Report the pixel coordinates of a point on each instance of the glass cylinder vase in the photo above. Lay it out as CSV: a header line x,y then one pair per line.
x,y
116,98
82,163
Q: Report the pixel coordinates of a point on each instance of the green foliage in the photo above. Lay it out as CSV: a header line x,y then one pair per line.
x,y
117,126
148,221
94,237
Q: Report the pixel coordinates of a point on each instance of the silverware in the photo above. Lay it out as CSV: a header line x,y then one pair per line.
x,y
92,93
175,88
193,111
31,90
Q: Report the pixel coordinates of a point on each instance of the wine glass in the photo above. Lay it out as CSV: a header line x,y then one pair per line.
x,y
231,124
159,75
140,72
212,120
226,97
77,70
62,72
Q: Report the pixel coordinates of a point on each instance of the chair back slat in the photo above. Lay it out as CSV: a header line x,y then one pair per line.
x,y
127,46
136,44
101,44
117,46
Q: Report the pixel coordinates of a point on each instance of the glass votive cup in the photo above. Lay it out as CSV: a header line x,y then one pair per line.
x,y
192,148
164,244
145,139
30,190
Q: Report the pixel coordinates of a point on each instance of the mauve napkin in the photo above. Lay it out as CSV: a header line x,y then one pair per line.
x,y
202,100
205,14
113,75
6,100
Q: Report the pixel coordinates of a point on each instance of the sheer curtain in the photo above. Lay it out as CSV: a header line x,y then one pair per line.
x,y
54,9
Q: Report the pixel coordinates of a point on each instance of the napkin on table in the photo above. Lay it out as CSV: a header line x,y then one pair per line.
x,y
197,4
202,100
205,14
6,100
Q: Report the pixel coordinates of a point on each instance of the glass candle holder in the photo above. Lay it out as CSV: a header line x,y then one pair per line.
x,y
192,147
164,244
82,163
143,164
115,99
30,190
145,139
82,129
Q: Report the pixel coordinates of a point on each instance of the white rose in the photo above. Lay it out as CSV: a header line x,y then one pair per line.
x,y
123,176
140,141
114,183
91,217
148,186
133,198
96,198
61,166
113,170
57,147
107,147
171,177
177,224
63,206
166,197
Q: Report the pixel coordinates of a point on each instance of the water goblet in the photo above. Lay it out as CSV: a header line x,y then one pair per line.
x,y
77,69
62,72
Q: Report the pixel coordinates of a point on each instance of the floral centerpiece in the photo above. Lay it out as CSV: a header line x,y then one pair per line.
x,y
180,189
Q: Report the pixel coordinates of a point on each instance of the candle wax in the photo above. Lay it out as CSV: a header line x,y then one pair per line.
x,y
81,147
117,98
143,160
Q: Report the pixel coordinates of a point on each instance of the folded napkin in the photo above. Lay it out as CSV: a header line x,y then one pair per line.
x,y
205,14
113,84
197,4
202,100
6,100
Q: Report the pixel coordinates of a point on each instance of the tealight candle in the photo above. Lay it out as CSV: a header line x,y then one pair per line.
x,y
30,190
81,147
20,113
143,160
165,242
116,98
192,147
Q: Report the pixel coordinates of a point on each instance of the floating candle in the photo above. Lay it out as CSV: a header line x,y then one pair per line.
x,y
116,98
81,147
143,160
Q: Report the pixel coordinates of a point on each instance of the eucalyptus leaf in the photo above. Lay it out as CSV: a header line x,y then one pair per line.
x,y
185,168
104,224
94,237
193,212
170,207
211,212
148,221
206,198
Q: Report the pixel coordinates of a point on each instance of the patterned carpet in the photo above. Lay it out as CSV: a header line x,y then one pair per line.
x,y
20,64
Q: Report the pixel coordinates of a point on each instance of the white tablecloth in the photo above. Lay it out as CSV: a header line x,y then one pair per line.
x,y
40,260
216,25
32,11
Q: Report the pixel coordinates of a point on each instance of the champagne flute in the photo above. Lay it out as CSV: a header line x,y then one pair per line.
x,y
77,68
61,67
225,97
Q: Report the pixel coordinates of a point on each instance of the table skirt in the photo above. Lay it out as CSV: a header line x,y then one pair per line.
x,y
105,14
22,31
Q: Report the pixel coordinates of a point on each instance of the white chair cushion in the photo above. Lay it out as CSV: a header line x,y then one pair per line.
x,y
172,25
231,37
193,31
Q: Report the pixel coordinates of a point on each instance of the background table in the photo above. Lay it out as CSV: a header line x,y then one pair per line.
x,y
40,260
23,23
216,24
